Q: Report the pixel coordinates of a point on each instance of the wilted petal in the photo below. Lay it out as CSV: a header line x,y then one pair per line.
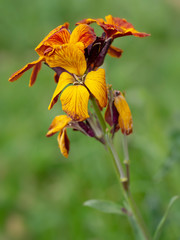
x,y
58,123
64,80
95,82
58,70
115,52
125,117
69,57
87,128
36,64
64,143
93,50
83,33
74,101
111,115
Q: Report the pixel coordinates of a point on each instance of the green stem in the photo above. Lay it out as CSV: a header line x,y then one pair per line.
x,y
99,115
126,160
115,158
140,225
137,219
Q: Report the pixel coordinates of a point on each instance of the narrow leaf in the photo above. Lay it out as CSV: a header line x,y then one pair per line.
x,y
106,206
161,223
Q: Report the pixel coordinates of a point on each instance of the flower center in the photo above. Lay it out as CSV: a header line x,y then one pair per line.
x,y
79,80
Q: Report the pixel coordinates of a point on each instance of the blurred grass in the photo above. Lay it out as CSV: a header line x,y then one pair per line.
x,y
41,193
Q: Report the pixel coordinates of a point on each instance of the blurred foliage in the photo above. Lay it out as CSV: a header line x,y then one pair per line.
x,y
41,193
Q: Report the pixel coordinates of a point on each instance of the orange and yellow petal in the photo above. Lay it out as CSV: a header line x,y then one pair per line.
x,y
86,21
36,64
69,57
115,52
95,82
74,101
125,117
83,33
109,19
58,123
64,80
130,31
64,143
41,46
57,39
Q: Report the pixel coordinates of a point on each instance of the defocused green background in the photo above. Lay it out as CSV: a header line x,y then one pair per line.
x,y
41,193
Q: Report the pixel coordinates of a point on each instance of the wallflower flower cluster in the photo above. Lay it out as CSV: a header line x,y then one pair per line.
x,y
76,58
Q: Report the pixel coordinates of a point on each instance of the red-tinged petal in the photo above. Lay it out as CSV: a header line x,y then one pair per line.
x,y
74,101
69,57
83,33
20,72
125,117
57,39
34,73
58,123
141,34
119,27
128,32
64,80
95,82
44,43
64,143
115,52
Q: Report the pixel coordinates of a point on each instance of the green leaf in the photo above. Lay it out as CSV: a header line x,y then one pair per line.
x,y
161,223
106,206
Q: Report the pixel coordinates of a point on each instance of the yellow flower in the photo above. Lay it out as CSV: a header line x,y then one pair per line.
x,y
75,97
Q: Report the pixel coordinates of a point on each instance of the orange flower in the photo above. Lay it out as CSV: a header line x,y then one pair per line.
x,y
36,65
115,27
81,37
75,97
59,124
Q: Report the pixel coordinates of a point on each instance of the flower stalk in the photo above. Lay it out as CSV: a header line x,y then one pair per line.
x,y
124,178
